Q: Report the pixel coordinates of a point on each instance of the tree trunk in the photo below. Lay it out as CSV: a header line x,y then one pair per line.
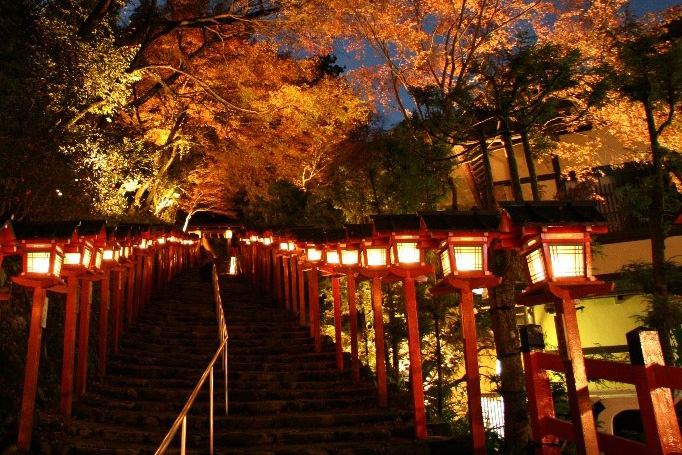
x,y
507,346
505,132
660,288
530,164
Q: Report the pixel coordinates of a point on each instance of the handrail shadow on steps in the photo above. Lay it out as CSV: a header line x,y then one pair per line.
x,y
181,420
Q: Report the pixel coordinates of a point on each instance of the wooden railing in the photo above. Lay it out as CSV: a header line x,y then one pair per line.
x,y
652,381
181,420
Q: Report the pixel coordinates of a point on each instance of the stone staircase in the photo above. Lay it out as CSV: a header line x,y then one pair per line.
x,y
285,399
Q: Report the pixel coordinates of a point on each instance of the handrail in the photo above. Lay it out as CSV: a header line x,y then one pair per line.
x,y
181,420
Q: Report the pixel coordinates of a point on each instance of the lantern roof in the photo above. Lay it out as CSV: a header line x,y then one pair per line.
x,y
359,231
336,235
461,220
543,213
8,240
57,230
311,235
396,223
92,228
122,231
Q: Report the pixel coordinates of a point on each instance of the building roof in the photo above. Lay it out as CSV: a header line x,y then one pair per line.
x,y
469,220
554,212
396,223
211,219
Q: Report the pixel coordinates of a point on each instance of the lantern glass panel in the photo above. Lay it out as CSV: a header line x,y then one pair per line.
x,y
408,253
568,260
117,254
108,255
332,257
314,254
57,269
267,241
445,262
87,255
468,258
284,246
376,257
72,259
228,234
254,238
38,262
98,259
292,247
536,266
349,257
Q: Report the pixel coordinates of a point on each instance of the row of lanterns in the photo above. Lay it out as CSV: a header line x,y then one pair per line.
x,y
556,251
553,239
61,256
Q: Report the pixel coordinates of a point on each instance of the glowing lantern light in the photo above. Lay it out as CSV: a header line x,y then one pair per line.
x,y
314,255
350,256
228,234
284,246
332,257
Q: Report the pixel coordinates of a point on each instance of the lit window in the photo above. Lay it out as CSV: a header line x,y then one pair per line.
x,y
38,262
332,257
469,258
445,262
349,257
408,253
536,266
567,260
376,257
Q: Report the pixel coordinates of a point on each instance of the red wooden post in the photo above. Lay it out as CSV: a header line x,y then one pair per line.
x,y
293,274
136,285
70,323
287,284
83,336
655,403
314,299
468,318
568,338
130,287
540,402
353,315
278,279
170,264
104,322
118,309
380,344
28,400
336,293
268,272
301,295
413,341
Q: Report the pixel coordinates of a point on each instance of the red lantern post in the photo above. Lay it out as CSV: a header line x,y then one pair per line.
x,y
311,242
554,242
408,263
462,240
42,263
330,266
375,261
